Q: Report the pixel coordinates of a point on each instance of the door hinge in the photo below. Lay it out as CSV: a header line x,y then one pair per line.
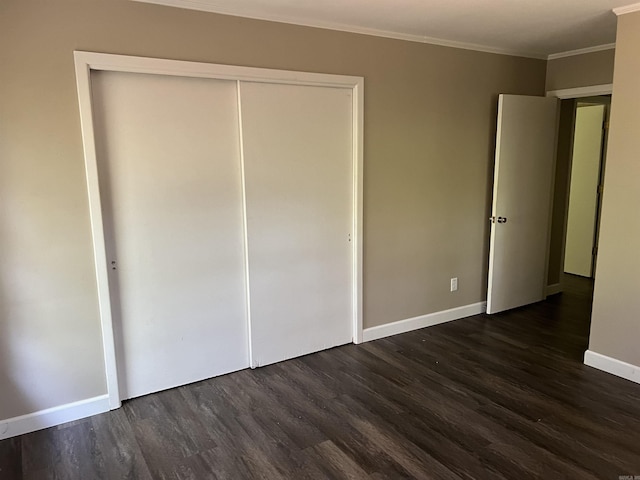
x,y
600,189
595,251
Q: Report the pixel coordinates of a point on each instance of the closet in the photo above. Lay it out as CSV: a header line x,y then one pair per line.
x,y
227,231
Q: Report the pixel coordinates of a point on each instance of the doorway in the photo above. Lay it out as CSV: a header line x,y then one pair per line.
x,y
580,287
572,103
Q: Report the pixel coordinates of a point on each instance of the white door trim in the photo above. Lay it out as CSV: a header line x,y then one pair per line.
x,y
85,62
591,91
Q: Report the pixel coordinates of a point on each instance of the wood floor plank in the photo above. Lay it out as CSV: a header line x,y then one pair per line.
x,y
335,463
61,453
11,458
119,454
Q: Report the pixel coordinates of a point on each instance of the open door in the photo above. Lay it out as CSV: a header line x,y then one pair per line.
x,y
522,195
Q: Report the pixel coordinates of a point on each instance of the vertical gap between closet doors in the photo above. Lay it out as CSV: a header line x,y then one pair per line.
x,y
244,226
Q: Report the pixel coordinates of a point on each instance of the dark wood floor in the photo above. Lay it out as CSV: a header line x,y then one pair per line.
x,y
494,397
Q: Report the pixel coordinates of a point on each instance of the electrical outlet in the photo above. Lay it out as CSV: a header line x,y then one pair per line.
x,y
454,284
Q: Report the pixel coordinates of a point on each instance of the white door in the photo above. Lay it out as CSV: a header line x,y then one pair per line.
x,y
522,195
170,183
299,179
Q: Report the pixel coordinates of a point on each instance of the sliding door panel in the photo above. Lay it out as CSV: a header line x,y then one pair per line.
x,y
170,182
299,203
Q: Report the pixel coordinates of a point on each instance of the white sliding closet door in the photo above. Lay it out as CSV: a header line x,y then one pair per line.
x,y
170,182
298,166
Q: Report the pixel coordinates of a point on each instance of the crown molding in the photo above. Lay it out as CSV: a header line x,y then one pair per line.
x,y
582,51
205,6
634,7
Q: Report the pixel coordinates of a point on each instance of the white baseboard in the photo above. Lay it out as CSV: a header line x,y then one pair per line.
x,y
613,366
553,289
403,326
53,416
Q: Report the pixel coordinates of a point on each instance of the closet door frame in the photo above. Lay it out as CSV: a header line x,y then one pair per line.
x,y
86,62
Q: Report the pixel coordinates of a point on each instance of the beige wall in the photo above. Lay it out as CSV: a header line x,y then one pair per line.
x,y
615,327
429,139
585,70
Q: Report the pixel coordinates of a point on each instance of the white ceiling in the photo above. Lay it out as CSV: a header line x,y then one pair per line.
x,y
534,28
